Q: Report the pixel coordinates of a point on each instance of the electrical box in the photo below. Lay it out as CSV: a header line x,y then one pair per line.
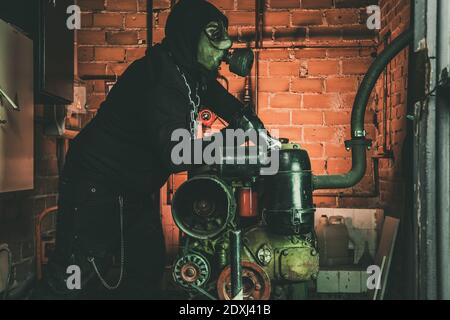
x,y
16,110
45,21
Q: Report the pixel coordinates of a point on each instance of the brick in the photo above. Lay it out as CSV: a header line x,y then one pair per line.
x,y
318,166
319,134
325,202
347,100
284,68
341,84
236,85
307,17
241,18
356,66
358,33
117,68
121,5
340,17
99,86
325,33
263,69
317,4
315,150
338,165
337,118
108,20
223,4
278,18
307,85
161,19
159,4
122,37
291,133
91,37
285,100
310,53
273,84
135,53
323,67
142,5
247,34
274,117
85,54
320,101
303,117
290,34
246,4
267,54
91,68
109,54
138,20
94,101
343,53
91,5
336,150
263,101
158,35
86,20
284,4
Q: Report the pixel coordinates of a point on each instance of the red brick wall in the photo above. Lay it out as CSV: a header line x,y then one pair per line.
x,y
395,19
113,35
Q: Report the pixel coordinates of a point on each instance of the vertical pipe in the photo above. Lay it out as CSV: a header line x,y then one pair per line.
x,y
149,23
443,155
259,25
236,267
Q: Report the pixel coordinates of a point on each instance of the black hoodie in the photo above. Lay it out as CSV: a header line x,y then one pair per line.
x,y
128,143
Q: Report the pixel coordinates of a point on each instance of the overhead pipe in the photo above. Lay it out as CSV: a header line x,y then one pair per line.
x,y
358,143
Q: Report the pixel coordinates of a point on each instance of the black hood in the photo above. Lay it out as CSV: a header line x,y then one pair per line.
x,y
183,28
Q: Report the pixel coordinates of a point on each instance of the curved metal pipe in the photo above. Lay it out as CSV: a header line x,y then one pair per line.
x,y
358,144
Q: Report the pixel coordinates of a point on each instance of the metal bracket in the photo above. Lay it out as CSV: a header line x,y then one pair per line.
x,y
358,142
359,133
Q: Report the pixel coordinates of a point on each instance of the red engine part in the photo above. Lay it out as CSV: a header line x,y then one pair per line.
x,y
248,203
255,282
207,117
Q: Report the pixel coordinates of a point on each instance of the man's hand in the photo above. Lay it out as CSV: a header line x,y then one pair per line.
x,y
247,120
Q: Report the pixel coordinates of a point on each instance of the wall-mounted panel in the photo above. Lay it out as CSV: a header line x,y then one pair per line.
x,y
16,125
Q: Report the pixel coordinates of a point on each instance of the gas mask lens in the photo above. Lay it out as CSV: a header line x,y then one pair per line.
x,y
218,35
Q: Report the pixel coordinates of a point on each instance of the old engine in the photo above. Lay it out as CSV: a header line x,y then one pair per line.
x,y
275,214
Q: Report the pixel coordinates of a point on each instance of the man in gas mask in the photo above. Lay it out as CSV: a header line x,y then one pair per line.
x,y
123,157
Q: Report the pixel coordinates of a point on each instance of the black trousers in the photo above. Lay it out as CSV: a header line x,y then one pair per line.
x,y
95,222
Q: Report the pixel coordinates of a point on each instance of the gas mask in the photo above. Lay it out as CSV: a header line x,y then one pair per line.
x,y
214,47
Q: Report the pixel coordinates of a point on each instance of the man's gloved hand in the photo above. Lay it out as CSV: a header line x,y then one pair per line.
x,y
247,119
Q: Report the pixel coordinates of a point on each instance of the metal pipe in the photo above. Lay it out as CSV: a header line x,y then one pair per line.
x,y
374,193
236,267
149,23
443,155
358,143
